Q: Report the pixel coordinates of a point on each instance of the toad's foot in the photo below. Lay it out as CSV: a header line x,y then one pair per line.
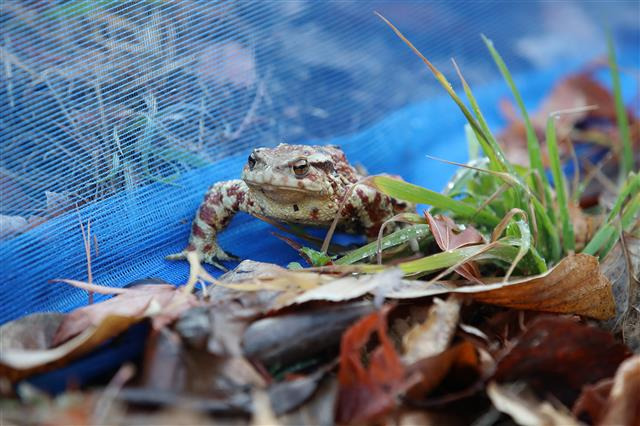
x,y
212,257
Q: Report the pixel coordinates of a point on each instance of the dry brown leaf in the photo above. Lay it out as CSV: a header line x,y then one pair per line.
x,y
415,417
526,409
30,332
319,409
622,267
262,411
434,335
256,276
346,288
584,225
132,303
574,286
450,236
314,331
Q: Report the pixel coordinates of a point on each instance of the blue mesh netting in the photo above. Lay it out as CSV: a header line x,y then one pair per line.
x,y
123,113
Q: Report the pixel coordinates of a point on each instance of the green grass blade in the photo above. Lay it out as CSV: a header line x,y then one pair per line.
x,y
621,113
568,239
550,243
630,218
631,186
398,237
482,137
494,153
441,260
416,194
608,231
473,145
607,235
533,145
449,258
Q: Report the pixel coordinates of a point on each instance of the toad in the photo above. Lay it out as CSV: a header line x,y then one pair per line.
x,y
295,184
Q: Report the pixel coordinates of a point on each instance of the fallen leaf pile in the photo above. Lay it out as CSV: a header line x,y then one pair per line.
x,y
299,347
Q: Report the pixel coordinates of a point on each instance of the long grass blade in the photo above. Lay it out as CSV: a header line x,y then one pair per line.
x,y
495,152
533,145
568,238
482,137
419,195
621,113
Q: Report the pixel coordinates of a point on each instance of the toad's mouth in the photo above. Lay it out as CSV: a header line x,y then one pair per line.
x,y
283,193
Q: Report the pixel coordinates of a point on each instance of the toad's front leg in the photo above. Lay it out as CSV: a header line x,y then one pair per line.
x,y
222,201
372,208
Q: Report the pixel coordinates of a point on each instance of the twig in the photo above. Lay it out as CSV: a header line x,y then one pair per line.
x,y
334,224
104,403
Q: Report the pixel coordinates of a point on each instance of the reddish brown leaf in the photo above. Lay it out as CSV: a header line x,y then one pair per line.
x,y
449,236
591,402
558,356
429,373
574,92
368,391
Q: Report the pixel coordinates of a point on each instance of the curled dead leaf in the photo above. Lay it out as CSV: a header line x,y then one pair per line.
x,y
133,303
450,236
574,286
316,330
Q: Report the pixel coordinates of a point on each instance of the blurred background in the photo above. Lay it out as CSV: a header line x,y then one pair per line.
x,y
123,113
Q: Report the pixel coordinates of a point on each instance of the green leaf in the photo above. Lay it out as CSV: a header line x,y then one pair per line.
x,y
316,258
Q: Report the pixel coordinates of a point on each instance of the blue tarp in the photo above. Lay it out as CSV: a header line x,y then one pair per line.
x,y
397,144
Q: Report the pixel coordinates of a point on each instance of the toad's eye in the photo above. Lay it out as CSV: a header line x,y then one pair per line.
x,y
300,168
251,161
